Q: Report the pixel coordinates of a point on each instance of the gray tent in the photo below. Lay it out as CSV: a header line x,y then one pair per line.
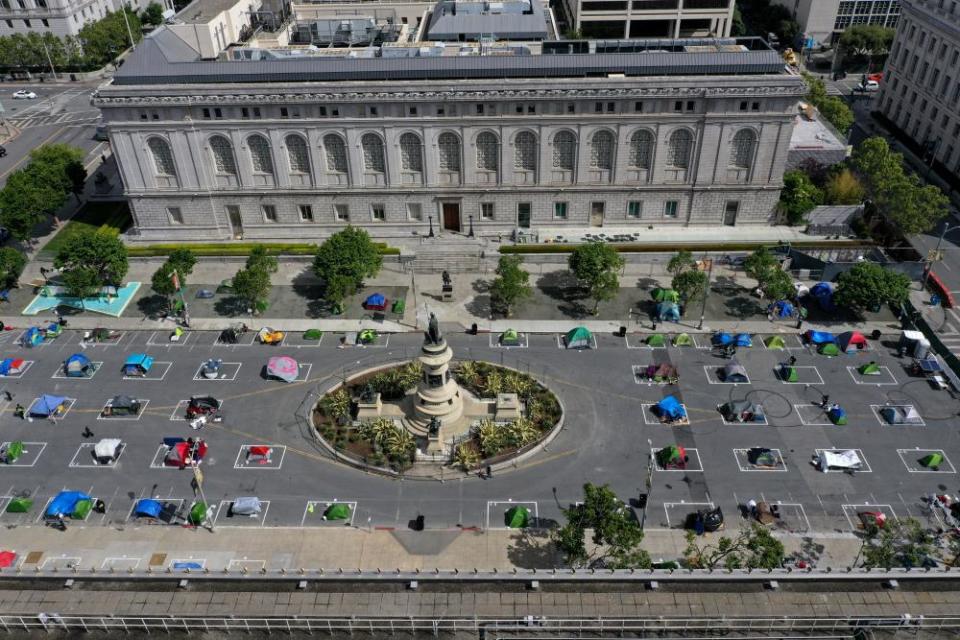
x,y
735,372
247,506
741,411
901,415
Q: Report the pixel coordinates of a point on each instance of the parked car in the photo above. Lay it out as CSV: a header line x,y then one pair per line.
x,y
100,134
24,94
870,87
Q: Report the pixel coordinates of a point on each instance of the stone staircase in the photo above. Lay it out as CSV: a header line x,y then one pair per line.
x,y
455,255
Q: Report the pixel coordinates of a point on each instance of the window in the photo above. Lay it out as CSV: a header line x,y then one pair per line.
x,y
560,210
372,147
670,208
26,23
306,212
486,211
162,157
487,151
175,215
678,105
743,105
754,106
519,108
414,211
641,149
634,209
598,107
564,151
341,212
284,113
525,151
260,154
206,114
373,111
323,112
223,159
378,212
531,108
244,112
297,154
441,111
411,155
601,150
611,107
46,23
678,149
638,107
269,212
336,153
412,111
449,152
217,113
571,108
691,105
155,115
741,149
479,109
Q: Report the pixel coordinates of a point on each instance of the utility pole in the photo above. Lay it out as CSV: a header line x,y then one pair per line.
x,y
49,59
648,483
198,481
706,291
126,19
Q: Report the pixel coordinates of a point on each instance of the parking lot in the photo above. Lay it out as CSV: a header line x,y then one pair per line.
x,y
608,435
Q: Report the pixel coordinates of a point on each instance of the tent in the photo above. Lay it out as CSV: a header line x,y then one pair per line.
x,y
578,338
665,295
682,340
659,373
267,335
210,370
367,336
670,410
846,459
259,453
147,508
721,339
198,513
829,349
743,340
775,342
788,373
32,337
78,366
901,415
851,341
837,415
668,312
656,340
107,450
712,519
375,302
121,405
47,406
764,514
931,460
741,411
181,453
337,511
7,558
11,452
246,506
12,366
823,292
68,503
672,457
869,369
517,517
735,372
53,330
781,309
762,457
510,338
818,337
19,505
283,368
138,364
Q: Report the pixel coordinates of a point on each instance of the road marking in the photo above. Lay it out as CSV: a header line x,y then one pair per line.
x,y
668,505
886,509
274,464
27,157
143,409
887,379
323,505
865,466
918,453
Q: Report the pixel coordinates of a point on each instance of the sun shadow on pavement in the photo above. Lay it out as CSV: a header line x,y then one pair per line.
x,y
532,549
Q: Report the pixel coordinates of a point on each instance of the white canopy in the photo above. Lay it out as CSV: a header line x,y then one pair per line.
x,y
846,459
107,448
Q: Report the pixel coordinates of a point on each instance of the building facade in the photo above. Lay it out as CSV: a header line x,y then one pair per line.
x,y
240,149
649,18
59,17
825,20
921,88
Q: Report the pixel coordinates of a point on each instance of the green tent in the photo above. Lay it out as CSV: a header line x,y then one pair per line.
x,y
578,338
337,511
19,505
788,373
517,517
683,340
510,337
929,461
656,340
198,513
665,295
14,451
869,369
775,342
367,336
312,335
829,349
670,456
398,306
82,509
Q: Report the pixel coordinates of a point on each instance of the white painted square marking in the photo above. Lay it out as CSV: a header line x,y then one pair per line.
x,y
26,367
122,563
497,510
245,565
694,465
714,373
743,461
143,409
229,520
792,341
247,339
864,465
851,511
162,339
806,374
158,457
649,417
875,408
885,378
638,376
592,347
60,562
84,457
640,342
911,458
188,564
228,372
315,517
522,342
812,415
157,372
303,342
112,342
687,510
179,413
61,374
276,458
40,345
31,453
703,342
70,403
758,423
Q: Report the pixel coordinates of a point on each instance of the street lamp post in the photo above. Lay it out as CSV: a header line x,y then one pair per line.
x,y
430,219
471,227
936,253
706,292
648,483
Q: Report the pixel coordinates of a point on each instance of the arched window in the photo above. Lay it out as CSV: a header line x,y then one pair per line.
x,y
601,150
372,147
525,151
297,154
223,158
162,157
641,149
564,151
336,153
411,156
260,154
449,152
741,149
487,152
678,149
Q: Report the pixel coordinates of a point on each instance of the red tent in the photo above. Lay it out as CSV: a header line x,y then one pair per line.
x,y
179,454
259,453
7,558
851,341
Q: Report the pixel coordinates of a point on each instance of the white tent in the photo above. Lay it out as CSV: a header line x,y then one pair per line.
x,y
107,450
847,459
246,506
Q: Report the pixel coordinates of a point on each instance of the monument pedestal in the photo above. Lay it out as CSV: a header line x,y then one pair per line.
x,y
369,407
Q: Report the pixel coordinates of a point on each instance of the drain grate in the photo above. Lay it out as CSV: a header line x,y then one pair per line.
x,y
158,559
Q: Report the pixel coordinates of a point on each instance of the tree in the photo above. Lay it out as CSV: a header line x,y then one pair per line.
x,y
753,548
898,543
81,282
344,260
98,257
104,39
832,108
152,15
844,188
183,260
252,286
867,41
60,165
868,285
760,265
876,163
616,534
24,203
737,27
798,197
596,264
680,262
261,259
12,263
162,281
779,285
511,284
691,285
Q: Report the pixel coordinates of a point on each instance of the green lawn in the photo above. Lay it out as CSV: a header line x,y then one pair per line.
x,y
94,215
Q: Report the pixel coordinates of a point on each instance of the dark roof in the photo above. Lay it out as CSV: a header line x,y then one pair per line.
x,y
449,23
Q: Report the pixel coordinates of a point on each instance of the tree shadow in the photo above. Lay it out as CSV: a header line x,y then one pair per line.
x,y
532,549
481,285
153,306
647,284
309,287
561,285
742,307
230,307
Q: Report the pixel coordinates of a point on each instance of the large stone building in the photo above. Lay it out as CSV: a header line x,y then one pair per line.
x,y
59,17
273,145
921,88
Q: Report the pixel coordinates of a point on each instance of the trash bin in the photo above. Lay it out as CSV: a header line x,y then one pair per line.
x,y
623,332
876,334
418,523
473,329
642,501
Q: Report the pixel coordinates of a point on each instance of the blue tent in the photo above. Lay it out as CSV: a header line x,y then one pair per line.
x,y
781,309
837,415
147,508
818,337
375,300
743,340
668,311
32,337
47,405
823,292
670,408
138,364
11,366
721,339
78,366
65,503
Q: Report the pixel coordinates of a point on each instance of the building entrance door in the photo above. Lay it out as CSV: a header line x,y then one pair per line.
x,y
596,214
730,213
451,216
236,221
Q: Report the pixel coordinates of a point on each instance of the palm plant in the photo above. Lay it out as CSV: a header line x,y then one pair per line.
x,y
399,442
492,436
337,404
378,430
493,385
518,383
466,457
522,432
469,373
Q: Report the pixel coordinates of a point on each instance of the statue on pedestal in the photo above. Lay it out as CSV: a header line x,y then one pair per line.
x,y
369,394
433,335
434,427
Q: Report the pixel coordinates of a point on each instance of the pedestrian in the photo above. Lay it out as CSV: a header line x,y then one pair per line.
x,y
9,396
793,360
826,399
87,433
20,412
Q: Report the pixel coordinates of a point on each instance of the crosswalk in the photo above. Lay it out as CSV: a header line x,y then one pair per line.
x,y
949,332
45,120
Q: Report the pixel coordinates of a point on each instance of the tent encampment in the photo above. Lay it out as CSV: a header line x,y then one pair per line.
x,y
375,302
69,503
829,349
904,414
121,405
147,508
367,336
665,295
246,506
842,460
32,337
672,457
818,337
781,309
670,410
762,457
775,342
578,338
19,505
741,411
788,373
78,366
721,339
668,312
107,450
823,292
517,517
49,406
682,340
283,368
337,511
12,366
734,372
138,365
656,340
9,453
510,338
869,369
743,340
837,415
851,341
198,513
931,460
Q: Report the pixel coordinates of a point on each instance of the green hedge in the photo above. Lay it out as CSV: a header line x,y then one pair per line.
x,y
239,249
672,248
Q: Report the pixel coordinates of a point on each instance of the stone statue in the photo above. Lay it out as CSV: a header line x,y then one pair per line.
x,y
434,426
446,278
433,331
369,394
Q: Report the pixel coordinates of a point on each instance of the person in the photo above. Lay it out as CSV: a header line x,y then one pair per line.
x,y
20,411
792,361
9,395
87,433
826,399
